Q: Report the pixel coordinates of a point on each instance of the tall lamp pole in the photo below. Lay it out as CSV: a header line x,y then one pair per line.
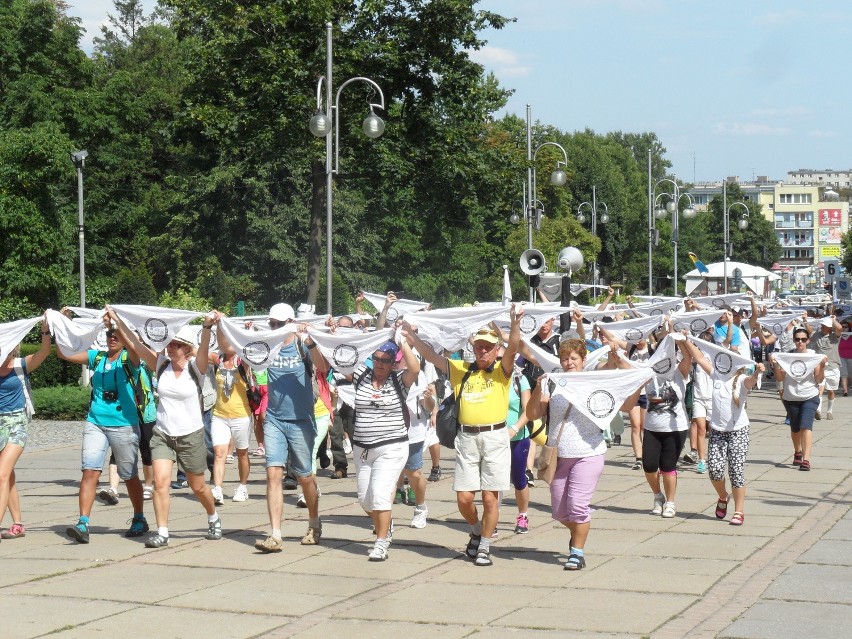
x,y
593,205
79,160
671,207
743,224
533,209
321,125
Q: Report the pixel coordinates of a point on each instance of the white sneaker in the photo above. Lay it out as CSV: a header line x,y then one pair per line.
x,y
301,503
657,509
347,446
419,518
217,496
240,494
380,550
669,510
147,492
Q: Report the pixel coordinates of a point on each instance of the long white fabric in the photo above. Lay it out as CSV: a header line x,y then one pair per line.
x,y
534,316
450,328
599,394
74,336
775,324
344,351
11,334
257,348
156,326
399,307
798,365
85,311
546,360
594,358
695,322
720,301
725,362
663,363
666,307
633,330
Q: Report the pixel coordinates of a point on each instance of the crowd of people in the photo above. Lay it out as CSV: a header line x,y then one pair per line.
x,y
532,404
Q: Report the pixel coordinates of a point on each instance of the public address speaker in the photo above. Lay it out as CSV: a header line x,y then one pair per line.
x,y
532,262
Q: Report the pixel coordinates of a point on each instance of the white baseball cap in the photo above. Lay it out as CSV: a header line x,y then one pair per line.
x,y
281,312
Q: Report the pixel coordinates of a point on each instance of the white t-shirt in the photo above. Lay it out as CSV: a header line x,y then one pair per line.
x,y
666,412
419,418
178,411
702,384
727,416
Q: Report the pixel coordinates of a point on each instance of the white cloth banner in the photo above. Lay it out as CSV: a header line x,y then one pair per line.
x,y
725,362
506,298
657,299
666,307
663,363
546,360
593,359
84,311
257,348
75,336
534,316
399,307
450,328
696,322
776,324
798,365
632,330
156,326
721,301
599,394
11,334
344,351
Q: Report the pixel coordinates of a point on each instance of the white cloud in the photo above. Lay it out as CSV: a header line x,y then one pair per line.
x,y
749,128
780,112
504,62
818,133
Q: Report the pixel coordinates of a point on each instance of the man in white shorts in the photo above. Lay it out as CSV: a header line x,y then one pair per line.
x,y
483,457
824,341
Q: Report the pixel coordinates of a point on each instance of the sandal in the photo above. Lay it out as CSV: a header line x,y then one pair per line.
x,y
722,507
737,519
575,562
797,459
805,465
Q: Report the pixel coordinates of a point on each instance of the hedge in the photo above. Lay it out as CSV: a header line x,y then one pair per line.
x,y
61,402
53,371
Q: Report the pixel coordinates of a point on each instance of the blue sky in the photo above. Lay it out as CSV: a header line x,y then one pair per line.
x,y
731,87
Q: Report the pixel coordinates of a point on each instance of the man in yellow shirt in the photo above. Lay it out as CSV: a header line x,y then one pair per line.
x,y
483,457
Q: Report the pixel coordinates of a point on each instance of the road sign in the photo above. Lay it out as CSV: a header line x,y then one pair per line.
x,y
832,269
844,288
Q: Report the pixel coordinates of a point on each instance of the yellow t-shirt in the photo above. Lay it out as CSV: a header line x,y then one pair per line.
x,y
485,399
320,409
237,404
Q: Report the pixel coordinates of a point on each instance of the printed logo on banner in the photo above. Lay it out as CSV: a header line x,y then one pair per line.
x,y
656,311
657,300
798,369
256,353
156,330
528,324
698,325
345,356
723,363
600,403
663,366
563,382
213,341
633,334
777,328
101,340
392,314
718,303
557,369
575,289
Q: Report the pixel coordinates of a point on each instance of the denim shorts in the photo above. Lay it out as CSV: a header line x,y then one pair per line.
x,y
291,442
124,442
13,428
415,456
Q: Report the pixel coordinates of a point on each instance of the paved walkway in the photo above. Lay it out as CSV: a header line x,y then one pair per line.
x,y
786,573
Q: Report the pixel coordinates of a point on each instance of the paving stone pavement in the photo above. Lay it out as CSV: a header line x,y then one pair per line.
x,y
785,573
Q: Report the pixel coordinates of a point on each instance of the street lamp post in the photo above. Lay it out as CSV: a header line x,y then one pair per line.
x,y
742,223
671,207
593,205
533,209
321,125
79,160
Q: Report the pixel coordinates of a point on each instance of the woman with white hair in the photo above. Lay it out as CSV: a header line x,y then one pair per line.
x,y
179,433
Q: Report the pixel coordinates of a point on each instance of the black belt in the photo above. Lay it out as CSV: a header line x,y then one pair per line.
x,y
482,429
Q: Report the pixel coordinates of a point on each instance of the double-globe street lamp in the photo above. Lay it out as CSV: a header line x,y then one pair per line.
x,y
533,208
672,207
581,218
728,245
327,118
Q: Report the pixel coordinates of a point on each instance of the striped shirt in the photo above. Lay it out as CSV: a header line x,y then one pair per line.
x,y
378,411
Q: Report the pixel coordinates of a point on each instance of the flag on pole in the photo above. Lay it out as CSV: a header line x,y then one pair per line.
x,y
507,287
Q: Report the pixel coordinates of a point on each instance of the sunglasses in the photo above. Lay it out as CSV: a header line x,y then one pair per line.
x,y
382,360
800,339
112,335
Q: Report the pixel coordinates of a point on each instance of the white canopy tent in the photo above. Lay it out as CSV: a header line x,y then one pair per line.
x,y
755,278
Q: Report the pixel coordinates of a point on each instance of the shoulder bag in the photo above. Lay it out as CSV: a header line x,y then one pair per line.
x,y
548,456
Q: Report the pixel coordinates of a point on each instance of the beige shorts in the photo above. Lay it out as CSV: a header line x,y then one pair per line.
x,y
832,379
483,461
188,450
701,407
